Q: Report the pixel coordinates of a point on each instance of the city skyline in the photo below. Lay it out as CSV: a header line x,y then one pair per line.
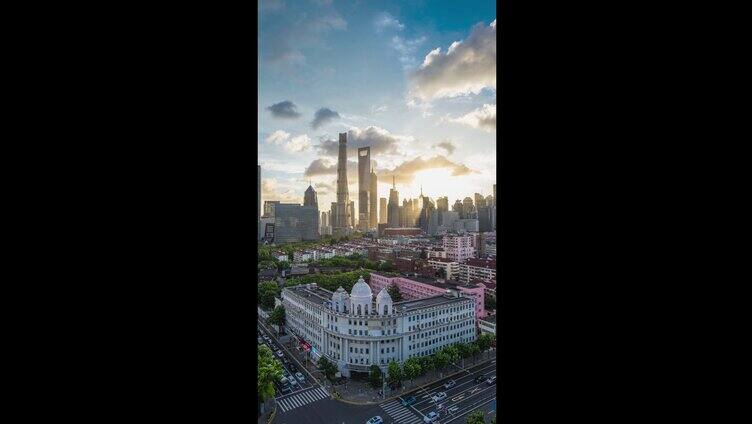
x,y
386,74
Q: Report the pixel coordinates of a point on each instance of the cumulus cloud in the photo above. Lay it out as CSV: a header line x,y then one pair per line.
x,y
385,20
332,21
296,144
378,139
278,137
406,50
284,109
467,67
405,172
446,145
327,167
323,116
483,118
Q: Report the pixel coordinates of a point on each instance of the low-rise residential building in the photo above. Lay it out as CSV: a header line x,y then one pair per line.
x,y
480,269
458,247
487,324
450,267
436,252
418,287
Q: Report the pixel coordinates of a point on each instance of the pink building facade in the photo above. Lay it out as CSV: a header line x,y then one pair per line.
x,y
411,290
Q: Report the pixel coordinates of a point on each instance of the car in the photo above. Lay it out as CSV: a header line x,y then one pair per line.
x,y
286,390
479,378
453,409
283,381
292,367
408,401
449,384
491,380
299,376
279,353
431,417
375,420
439,396
292,382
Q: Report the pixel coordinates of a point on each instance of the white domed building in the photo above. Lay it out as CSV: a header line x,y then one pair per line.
x,y
356,331
384,304
361,298
341,300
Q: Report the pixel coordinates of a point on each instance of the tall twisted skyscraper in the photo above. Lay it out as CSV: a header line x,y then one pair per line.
x,y
341,225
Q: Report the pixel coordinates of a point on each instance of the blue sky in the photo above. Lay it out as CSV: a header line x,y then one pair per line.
x,y
430,116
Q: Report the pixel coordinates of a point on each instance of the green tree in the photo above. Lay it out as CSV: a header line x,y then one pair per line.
x,y
441,273
267,291
489,303
484,341
277,316
269,371
441,359
428,363
387,266
394,372
375,376
281,265
394,292
473,350
327,368
412,368
476,417
453,354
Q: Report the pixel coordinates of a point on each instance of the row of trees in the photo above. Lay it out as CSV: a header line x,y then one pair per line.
x,y
277,317
420,365
331,282
355,261
269,371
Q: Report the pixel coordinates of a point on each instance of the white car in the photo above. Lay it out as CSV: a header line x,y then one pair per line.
x,y
453,409
292,382
431,417
299,376
375,420
279,353
449,384
439,396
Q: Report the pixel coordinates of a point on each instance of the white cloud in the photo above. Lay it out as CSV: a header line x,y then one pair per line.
x,y
296,144
406,49
299,143
278,137
467,67
482,118
385,20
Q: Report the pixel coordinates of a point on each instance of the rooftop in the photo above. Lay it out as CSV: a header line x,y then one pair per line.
x,y
482,263
489,318
427,302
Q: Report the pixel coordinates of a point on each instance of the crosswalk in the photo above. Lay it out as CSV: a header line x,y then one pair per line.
x,y
400,414
302,398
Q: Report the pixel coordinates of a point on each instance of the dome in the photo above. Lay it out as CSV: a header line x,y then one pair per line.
x,y
383,295
361,289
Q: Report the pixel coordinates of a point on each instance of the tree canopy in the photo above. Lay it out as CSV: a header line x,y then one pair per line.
x,y
267,291
277,316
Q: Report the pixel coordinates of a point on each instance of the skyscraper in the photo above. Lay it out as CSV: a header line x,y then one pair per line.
x,y
341,225
393,219
364,185
458,207
480,201
372,196
382,210
442,205
311,200
351,213
467,207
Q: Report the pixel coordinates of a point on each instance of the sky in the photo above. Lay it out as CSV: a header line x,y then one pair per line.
x,y
415,80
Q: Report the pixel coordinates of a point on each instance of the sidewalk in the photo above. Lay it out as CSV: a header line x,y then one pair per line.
x,y
361,392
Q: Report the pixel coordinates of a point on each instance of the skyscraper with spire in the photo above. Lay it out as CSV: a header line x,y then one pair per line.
x,y
393,218
372,201
364,186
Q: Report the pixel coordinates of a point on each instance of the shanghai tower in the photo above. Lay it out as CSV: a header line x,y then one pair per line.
x,y
343,198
